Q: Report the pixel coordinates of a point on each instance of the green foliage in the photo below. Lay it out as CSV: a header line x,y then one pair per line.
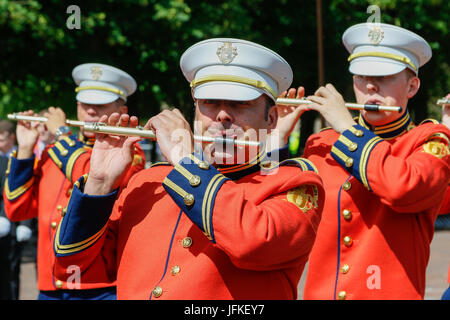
x,y
147,37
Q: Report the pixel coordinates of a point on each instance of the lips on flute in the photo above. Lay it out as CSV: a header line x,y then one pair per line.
x,y
352,106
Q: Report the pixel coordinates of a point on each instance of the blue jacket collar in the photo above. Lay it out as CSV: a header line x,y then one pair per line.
x,y
390,130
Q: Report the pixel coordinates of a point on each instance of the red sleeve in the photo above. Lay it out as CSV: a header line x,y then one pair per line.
x,y
412,179
445,206
275,233
414,183
95,247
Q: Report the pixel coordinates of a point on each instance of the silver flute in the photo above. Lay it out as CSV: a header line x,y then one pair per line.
x,y
351,106
99,127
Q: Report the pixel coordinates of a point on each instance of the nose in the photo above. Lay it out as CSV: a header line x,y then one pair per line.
x,y
224,114
371,85
91,109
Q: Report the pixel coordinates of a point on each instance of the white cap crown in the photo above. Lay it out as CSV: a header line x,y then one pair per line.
x,y
380,49
234,69
102,84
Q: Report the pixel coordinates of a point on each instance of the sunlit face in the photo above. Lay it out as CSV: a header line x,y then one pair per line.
x,y
6,141
393,90
242,120
93,112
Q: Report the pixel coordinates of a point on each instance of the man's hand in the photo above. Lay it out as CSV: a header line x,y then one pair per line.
x,y
5,227
289,115
27,135
287,119
173,133
23,233
331,105
111,156
56,118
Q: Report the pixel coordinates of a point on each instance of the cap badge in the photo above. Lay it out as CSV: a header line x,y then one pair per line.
x,y
226,52
96,72
376,35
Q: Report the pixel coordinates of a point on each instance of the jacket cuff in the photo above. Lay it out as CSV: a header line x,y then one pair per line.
x,y
193,185
19,176
85,220
352,151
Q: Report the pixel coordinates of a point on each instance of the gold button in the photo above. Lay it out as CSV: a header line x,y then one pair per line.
x,y
71,143
188,199
187,242
175,270
203,165
59,207
347,185
347,214
359,133
157,292
63,212
69,192
194,180
349,162
58,284
345,268
342,295
64,152
352,146
54,225
348,241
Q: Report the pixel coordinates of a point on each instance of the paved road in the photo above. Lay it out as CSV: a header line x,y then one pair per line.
x,y
436,272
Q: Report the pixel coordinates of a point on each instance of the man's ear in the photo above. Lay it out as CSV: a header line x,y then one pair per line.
x,y
413,87
272,117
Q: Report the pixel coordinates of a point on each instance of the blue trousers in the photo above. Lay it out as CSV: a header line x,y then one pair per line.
x,y
90,294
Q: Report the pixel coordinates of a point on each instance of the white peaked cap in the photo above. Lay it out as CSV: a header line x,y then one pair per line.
x,y
379,49
102,84
234,69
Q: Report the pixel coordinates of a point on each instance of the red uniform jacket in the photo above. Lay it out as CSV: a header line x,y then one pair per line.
x,y
196,232
383,189
445,206
42,189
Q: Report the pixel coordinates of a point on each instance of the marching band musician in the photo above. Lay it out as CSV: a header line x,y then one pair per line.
x,y
42,188
384,176
205,225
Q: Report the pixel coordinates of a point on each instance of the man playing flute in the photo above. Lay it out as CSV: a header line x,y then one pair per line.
x,y
42,188
384,176
217,223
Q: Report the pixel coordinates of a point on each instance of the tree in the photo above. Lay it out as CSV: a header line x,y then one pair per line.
x,y
147,37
